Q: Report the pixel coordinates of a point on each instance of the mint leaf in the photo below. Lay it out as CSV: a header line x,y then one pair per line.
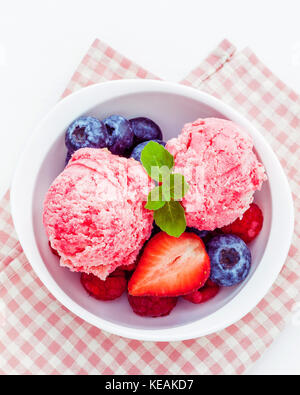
x,y
154,205
155,199
171,218
164,199
175,187
157,161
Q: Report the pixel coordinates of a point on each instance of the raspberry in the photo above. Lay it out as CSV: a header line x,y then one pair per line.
x,y
53,250
209,291
152,306
128,268
110,289
118,272
249,226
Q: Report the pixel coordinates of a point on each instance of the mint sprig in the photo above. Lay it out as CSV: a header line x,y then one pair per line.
x,y
176,185
171,218
165,198
157,161
155,199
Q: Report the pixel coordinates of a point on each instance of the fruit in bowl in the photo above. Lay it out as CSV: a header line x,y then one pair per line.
x,y
43,160
99,212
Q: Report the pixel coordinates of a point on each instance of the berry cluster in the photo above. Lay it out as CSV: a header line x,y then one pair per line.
x,y
121,136
194,266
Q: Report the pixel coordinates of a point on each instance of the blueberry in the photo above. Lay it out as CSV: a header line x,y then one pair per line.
x,y
201,233
230,260
86,132
144,130
120,134
136,153
205,235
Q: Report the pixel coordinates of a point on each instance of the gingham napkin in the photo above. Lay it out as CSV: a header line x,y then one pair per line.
x,y
38,335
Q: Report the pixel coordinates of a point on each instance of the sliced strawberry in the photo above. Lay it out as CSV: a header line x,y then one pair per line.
x,y
171,266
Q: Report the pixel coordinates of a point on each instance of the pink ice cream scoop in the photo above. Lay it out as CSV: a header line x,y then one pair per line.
x,y
216,157
94,212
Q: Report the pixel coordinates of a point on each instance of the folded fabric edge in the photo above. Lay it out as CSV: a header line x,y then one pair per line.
x,y
211,64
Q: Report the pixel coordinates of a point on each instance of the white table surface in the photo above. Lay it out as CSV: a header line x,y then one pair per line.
x,y
41,42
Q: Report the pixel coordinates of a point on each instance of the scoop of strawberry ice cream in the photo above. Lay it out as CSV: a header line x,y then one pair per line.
x,y
94,212
216,157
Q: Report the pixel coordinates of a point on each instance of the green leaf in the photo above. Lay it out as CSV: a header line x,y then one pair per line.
x,y
157,161
155,199
175,187
163,200
171,218
154,205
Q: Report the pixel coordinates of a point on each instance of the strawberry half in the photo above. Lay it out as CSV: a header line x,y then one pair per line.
x,y
171,266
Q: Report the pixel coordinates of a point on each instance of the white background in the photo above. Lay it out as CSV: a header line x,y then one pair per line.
x,y
42,41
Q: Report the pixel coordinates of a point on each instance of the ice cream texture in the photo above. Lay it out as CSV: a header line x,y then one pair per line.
x,y
94,212
217,159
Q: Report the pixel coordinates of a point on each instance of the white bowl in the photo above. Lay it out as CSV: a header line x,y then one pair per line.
x,y
171,106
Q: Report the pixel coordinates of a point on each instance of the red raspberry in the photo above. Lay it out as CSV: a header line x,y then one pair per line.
x,y
152,306
118,272
53,250
249,226
209,291
110,289
128,268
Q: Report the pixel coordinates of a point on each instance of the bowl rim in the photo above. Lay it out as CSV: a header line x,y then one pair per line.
x,y
272,261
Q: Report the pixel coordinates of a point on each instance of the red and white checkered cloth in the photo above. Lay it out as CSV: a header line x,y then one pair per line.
x,y
38,335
